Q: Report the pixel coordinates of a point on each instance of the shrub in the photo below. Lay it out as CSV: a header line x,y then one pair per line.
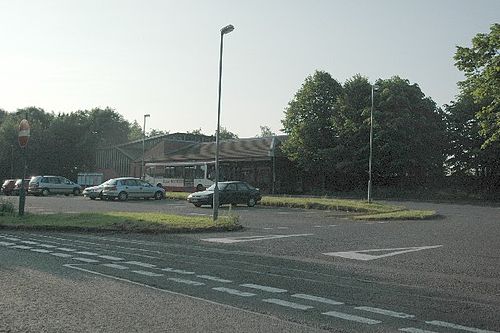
x,y
6,207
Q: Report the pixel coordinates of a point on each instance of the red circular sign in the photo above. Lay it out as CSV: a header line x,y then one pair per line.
x,y
24,133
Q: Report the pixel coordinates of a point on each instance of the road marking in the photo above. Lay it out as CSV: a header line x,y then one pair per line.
x,y
189,282
234,292
384,312
287,304
230,240
178,271
333,225
62,255
264,288
415,330
87,260
87,253
6,243
267,228
12,239
47,246
213,278
22,247
142,264
282,228
66,249
115,266
41,250
458,327
147,273
346,316
111,258
29,242
317,299
361,255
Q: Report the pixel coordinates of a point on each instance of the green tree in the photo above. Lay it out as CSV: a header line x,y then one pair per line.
x,y
309,124
135,131
265,131
481,65
196,131
225,134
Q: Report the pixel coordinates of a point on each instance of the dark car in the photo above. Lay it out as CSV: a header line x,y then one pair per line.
x,y
17,186
233,192
8,186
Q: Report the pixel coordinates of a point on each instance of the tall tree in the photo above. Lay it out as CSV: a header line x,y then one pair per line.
x,y
265,131
225,134
309,125
481,65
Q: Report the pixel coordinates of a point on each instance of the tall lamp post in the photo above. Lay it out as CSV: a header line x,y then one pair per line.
x,y
143,144
371,150
227,29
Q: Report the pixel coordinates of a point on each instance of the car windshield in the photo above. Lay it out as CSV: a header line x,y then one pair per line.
x,y
221,187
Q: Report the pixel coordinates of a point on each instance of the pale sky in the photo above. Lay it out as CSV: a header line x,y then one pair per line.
x,y
161,57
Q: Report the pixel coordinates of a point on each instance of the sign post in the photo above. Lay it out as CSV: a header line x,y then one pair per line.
x,y
23,137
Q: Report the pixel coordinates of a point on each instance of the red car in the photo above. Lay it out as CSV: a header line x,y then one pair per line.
x,y
8,186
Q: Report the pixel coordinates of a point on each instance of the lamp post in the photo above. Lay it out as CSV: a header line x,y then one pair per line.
x,y
11,161
227,29
143,139
371,150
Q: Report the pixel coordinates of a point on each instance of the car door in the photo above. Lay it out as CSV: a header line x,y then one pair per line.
x,y
132,188
55,185
230,194
243,193
146,189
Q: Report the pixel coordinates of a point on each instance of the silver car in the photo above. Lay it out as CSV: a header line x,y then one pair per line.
x,y
94,192
46,185
127,187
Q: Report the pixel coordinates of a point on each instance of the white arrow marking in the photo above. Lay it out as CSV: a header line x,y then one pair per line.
x,y
230,240
362,255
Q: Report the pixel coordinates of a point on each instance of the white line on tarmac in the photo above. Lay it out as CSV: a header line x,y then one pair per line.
x,y
12,239
264,288
115,266
178,271
317,299
22,247
87,260
189,282
87,253
62,255
287,304
111,258
142,264
213,278
415,330
66,249
29,242
230,240
147,273
385,312
7,243
234,292
41,250
458,327
349,317
282,228
47,246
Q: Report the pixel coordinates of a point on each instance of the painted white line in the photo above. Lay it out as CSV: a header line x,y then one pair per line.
x,y
47,246
147,273
267,228
22,247
66,249
62,255
115,266
41,250
264,288
6,243
142,264
385,312
317,299
87,253
362,255
415,330
349,317
282,228
29,242
213,278
287,304
189,282
230,240
458,327
178,271
234,292
12,239
198,214
333,225
87,260
111,258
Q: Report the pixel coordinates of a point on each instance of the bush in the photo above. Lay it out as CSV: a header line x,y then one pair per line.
x,y
6,207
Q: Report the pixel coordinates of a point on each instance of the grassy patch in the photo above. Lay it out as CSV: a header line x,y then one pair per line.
x,y
120,221
399,215
177,195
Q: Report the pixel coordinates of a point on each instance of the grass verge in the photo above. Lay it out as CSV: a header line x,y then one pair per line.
x,y
399,215
120,221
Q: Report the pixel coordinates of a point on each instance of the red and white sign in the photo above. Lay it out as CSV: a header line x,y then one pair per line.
x,y
24,133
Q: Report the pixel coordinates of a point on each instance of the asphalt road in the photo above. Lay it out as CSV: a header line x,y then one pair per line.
x,y
288,270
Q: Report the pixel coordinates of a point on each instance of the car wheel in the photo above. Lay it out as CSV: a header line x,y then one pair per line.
x,y
100,196
200,187
251,202
45,192
76,191
91,198
158,195
122,196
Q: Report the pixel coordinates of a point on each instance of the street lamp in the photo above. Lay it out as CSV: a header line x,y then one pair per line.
x,y
227,29
143,139
374,87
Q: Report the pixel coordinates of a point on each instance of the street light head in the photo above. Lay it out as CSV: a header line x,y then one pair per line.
x,y
375,87
147,115
227,29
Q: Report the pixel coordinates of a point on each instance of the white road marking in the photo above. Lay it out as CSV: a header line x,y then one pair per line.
x,y
147,273
6,243
213,278
333,225
29,242
234,292
178,271
415,330
264,288
287,304
12,239
47,246
142,264
115,266
87,260
66,249
384,312
349,317
267,228
317,299
458,327
282,228
318,226
189,282
230,240
362,255
87,253
22,247
41,250
62,255
111,258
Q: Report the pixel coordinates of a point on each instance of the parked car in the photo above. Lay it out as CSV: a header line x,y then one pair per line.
x,y
128,187
232,192
17,186
46,185
94,192
8,186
